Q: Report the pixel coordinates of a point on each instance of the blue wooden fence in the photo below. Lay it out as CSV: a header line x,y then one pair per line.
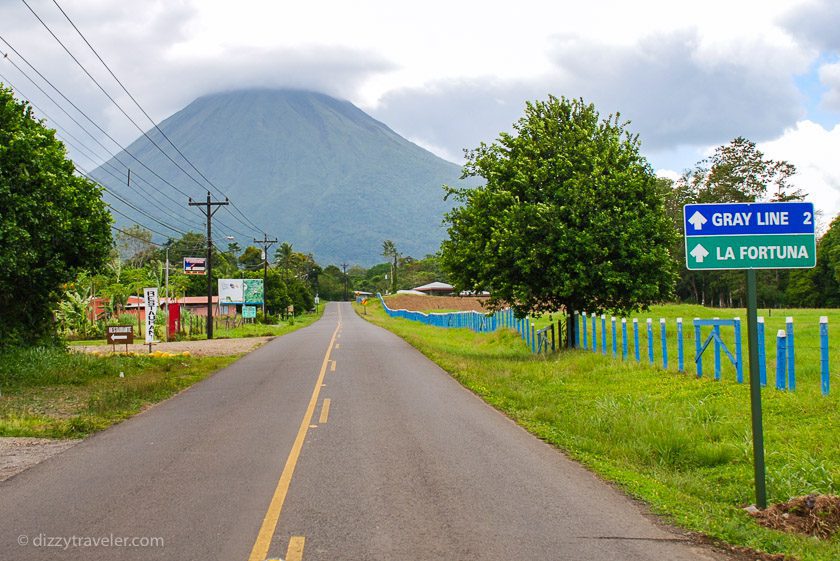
x,y
785,368
587,338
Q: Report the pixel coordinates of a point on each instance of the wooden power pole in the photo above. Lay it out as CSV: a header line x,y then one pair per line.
x,y
266,243
209,211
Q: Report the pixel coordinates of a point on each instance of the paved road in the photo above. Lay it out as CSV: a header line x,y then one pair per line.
x,y
337,442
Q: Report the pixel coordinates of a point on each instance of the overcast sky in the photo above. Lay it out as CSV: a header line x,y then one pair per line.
x,y
449,75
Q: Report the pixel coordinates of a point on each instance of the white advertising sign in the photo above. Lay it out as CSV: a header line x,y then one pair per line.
x,y
231,291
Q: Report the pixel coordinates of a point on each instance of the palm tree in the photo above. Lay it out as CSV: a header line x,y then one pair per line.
x,y
389,250
284,256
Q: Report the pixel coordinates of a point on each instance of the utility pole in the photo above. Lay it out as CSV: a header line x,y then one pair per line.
x,y
209,211
344,268
266,243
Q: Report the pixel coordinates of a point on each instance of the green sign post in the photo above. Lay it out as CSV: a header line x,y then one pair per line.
x,y
751,236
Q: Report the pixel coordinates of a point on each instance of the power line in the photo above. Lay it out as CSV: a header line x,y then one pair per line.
x,y
98,127
106,166
134,100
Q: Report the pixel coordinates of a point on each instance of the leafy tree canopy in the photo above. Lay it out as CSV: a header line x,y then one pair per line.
x,y
53,224
570,217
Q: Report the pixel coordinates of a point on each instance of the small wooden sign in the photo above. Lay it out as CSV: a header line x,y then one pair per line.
x,y
120,335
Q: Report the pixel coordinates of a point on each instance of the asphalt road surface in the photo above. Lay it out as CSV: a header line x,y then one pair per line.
x,y
336,442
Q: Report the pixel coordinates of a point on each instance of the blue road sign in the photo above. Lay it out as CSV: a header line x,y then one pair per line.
x,y
729,219
749,236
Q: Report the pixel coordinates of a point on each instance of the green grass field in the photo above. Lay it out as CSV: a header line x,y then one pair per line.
x,y
681,444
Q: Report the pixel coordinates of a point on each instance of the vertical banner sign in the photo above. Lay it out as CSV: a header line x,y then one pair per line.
x,y
150,299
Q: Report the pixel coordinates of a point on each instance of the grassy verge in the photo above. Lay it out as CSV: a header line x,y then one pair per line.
x,y
679,443
52,393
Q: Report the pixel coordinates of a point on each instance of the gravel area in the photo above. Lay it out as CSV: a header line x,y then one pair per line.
x,y
212,347
18,454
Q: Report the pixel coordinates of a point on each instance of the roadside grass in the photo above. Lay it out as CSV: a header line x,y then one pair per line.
x,y
52,393
681,444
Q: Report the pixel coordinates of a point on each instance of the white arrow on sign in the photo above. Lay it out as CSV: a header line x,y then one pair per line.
x,y
699,253
697,220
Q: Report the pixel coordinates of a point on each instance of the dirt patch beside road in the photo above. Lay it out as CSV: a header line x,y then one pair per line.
x,y
18,454
212,347
431,303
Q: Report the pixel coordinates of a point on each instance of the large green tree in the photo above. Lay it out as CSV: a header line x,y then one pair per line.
x,y
53,224
570,217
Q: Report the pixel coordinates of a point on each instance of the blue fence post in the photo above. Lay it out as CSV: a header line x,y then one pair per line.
x,y
791,365
739,356
717,351
636,339
650,339
603,334
698,344
585,331
614,342
781,361
824,354
533,339
662,330
527,327
623,338
680,350
585,336
594,333
762,353
577,331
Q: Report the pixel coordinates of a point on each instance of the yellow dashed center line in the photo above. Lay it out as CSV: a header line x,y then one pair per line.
x,y
272,516
325,411
295,550
332,366
337,346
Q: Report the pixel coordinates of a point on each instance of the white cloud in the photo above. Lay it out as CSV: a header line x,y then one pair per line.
x,y
830,78
813,150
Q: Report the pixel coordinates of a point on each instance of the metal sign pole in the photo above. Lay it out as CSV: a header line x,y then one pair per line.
x,y
755,392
